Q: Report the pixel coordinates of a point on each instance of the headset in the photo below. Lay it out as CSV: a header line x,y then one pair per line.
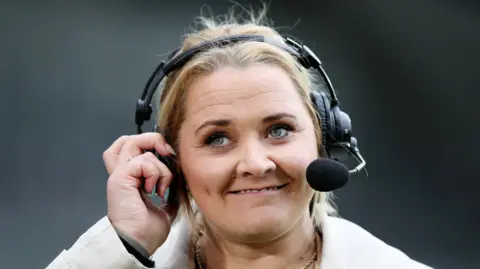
x,y
337,140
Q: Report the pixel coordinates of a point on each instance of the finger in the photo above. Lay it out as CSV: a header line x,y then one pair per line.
x,y
153,173
165,178
137,144
160,191
136,172
110,155
151,176
170,149
164,182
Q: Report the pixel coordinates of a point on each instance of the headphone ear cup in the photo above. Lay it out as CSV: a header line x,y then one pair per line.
x,y
336,127
322,106
343,125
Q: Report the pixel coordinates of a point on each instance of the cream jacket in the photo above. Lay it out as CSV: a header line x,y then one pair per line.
x,y
345,246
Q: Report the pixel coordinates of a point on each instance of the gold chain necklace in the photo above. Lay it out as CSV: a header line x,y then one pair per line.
x,y
198,260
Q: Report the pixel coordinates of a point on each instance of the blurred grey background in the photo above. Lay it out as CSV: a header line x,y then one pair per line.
x,y
405,71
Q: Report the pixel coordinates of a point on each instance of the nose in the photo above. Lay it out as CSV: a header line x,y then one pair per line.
x,y
254,160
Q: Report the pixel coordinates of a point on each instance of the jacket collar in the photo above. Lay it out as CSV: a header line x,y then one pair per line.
x,y
176,251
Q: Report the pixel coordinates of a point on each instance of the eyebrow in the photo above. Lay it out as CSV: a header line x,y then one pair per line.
x,y
226,122
278,116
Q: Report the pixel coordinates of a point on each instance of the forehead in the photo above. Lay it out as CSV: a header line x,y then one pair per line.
x,y
230,91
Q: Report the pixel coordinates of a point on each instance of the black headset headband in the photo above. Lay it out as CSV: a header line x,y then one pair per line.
x,y
334,121
302,53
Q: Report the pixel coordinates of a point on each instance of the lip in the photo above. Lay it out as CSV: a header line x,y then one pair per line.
x,y
259,190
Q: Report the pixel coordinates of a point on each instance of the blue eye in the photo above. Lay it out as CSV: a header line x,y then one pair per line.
x,y
217,140
279,131
221,139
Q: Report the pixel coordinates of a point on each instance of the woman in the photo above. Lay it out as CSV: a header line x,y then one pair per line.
x,y
242,128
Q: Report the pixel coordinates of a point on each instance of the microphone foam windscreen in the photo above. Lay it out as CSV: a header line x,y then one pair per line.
x,y
327,175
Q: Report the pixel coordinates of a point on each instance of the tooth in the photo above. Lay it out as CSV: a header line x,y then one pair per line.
x,y
261,190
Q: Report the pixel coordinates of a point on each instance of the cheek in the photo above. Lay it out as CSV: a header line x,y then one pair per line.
x,y
294,159
304,149
205,175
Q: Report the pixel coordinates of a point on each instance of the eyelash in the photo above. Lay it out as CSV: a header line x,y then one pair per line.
x,y
287,127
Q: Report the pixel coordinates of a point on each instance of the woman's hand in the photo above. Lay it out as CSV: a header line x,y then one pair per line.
x,y
133,173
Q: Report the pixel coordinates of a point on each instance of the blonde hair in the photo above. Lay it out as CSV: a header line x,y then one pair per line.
x,y
244,54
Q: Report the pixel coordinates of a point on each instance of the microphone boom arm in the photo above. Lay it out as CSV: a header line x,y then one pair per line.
x,y
356,153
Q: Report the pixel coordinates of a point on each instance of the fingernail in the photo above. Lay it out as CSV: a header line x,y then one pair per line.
x,y
170,149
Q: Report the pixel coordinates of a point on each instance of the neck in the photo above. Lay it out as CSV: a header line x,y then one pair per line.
x,y
292,249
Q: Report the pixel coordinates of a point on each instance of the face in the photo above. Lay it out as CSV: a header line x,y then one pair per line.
x,y
244,146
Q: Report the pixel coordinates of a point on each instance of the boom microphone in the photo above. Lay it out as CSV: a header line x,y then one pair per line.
x,y
326,175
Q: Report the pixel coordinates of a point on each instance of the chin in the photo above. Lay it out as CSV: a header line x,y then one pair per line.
x,y
258,225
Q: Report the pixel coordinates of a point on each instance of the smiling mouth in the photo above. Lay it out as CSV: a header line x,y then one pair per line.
x,y
259,190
